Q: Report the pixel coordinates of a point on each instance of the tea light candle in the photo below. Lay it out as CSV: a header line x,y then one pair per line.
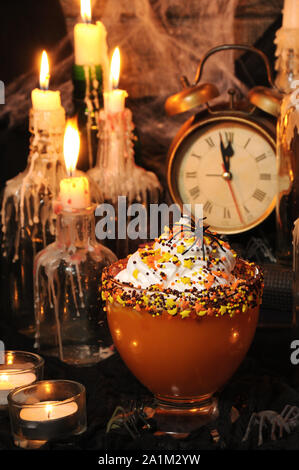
x,y
13,378
42,98
48,419
19,368
114,99
89,39
49,409
74,191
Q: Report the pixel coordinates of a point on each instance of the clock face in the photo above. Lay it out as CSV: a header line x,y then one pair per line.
x,y
228,166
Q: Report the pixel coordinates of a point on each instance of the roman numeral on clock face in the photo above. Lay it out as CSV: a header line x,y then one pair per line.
x,y
195,155
208,206
265,176
226,213
191,174
260,157
247,142
194,192
210,142
259,195
229,136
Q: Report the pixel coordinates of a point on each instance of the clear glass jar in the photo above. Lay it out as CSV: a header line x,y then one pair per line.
x,y
27,219
70,321
120,179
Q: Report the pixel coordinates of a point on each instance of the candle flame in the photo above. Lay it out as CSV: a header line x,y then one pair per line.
x,y
115,68
49,409
44,76
86,11
71,145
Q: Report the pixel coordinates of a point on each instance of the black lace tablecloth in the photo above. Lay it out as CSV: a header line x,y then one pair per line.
x,y
266,380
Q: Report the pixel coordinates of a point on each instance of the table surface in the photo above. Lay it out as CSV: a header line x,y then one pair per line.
x,y
266,380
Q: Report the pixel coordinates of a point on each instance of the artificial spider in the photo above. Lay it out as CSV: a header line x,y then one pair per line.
x,y
199,231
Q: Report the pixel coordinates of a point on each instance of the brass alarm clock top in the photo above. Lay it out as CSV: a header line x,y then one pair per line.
x,y
224,156
190,98
266,99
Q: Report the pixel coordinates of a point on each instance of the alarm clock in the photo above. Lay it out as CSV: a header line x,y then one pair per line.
x,y
224,157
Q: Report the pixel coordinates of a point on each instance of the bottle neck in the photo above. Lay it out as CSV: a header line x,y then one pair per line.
x,y
47,131
76,229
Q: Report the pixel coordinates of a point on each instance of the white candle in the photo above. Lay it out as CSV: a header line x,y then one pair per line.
x,y
89,39
74,191
114,100
48,410
13,378
291,14
42,98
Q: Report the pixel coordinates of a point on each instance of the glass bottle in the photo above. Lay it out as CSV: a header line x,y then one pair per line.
x,y
70,321
287,139
27,219
122,182
88,83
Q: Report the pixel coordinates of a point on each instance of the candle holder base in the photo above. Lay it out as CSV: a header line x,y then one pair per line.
x,y
27,443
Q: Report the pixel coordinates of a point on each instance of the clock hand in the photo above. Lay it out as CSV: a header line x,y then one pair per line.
x,y
226,153
234,198
223,154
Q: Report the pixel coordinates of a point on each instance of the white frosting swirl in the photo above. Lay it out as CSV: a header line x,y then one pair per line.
x,y
173,263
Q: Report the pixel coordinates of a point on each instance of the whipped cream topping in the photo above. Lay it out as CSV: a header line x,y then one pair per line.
x,y
178,261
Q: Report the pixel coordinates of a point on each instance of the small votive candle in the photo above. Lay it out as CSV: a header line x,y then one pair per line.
x,y
46,410
18,368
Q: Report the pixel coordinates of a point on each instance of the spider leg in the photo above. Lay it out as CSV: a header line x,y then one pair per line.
x,y
285,411
253,420
274,424
260,434
290,415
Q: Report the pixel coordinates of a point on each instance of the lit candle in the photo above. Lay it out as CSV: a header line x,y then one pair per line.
x,y
89,39
114,99
74,191
48,410
13,378
42,98
291,14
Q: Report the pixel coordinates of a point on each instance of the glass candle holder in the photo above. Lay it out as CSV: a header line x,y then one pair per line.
x,y
16,369
27,218
70,321
120,179
46,410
